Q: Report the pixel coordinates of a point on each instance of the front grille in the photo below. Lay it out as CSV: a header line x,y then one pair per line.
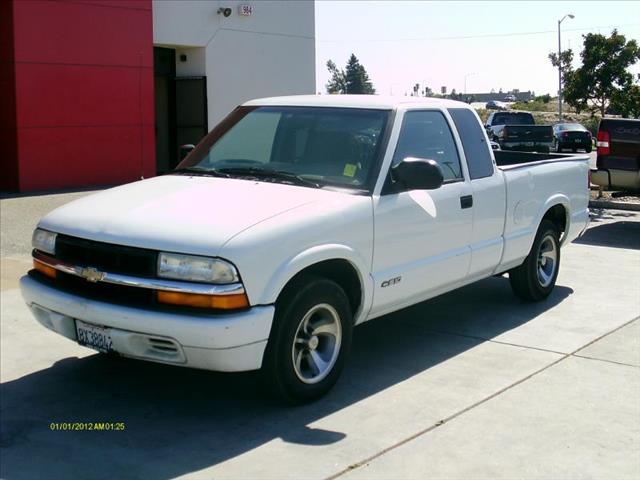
x,y
111,258
107,257
105,292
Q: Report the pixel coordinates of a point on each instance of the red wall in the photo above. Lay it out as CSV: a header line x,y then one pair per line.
x,y
8,152
84,92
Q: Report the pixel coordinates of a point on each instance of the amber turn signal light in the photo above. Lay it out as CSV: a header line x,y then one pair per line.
x,y
225,302
44,269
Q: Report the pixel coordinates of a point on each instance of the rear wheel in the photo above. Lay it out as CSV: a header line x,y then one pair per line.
x,y
310,339
535,278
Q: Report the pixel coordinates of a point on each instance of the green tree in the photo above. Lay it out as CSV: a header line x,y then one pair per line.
x,y
566,61
353,80
603,80
626,102
546,98
337,83
455,96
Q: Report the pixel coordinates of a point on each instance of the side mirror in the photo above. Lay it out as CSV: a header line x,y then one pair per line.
x,y
418,174
185,150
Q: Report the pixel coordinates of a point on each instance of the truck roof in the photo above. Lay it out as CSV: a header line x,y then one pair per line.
x,y
381,102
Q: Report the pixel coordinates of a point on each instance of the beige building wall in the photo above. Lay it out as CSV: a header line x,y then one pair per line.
x,y
270,53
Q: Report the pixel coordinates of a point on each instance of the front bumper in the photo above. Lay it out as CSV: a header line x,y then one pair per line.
x,y
222,342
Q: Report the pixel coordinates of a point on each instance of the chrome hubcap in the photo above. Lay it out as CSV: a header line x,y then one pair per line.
x,y
316,344
547,260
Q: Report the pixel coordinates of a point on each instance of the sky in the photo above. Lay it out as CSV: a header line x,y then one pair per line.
x,y
501,44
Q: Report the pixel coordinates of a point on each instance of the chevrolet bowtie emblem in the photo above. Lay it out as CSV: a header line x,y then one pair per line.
x,y
91,274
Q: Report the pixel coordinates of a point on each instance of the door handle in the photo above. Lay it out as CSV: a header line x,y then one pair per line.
x,y
466,201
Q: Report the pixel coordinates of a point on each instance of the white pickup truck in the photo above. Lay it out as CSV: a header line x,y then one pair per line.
x,y
294,220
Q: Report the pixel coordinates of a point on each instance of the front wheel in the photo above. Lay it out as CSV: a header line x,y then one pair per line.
x,y
535,278
310,339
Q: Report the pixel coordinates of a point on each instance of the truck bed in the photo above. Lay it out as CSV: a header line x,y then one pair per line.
x,y
506,160
556,177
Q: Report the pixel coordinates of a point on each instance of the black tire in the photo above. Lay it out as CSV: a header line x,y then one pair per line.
x,y
527,282
558,148
588,149
281,376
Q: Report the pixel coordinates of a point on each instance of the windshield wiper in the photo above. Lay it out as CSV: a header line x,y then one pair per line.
x,y
275,174
205,172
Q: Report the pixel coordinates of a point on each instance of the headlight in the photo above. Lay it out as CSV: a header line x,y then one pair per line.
x,y
44,241
195,268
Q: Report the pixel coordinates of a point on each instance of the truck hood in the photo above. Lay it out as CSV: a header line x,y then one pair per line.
x,y
187,214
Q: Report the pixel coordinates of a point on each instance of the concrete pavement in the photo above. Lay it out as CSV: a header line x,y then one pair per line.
x,y
473,384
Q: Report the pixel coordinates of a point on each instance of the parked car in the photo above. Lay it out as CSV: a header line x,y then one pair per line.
x,y
618,158
510,98
294,220
518,131
495,105
572,136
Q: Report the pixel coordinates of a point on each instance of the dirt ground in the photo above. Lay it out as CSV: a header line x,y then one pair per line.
x,y
616,196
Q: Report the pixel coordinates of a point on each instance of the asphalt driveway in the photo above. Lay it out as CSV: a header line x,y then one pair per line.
x,y
473,384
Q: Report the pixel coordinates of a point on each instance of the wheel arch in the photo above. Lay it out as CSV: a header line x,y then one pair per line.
x,y
557,211
336,262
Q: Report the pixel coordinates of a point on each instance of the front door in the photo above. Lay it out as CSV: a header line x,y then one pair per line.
x,y
181,109
164,64
422,237
191,112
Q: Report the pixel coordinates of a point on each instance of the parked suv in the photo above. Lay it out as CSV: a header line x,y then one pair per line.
x,y
618,161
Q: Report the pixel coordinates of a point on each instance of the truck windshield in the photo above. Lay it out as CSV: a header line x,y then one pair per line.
x,y
512,118
318,146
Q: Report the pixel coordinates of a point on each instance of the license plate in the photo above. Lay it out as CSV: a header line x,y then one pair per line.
x,y
529,144
578,140
93,336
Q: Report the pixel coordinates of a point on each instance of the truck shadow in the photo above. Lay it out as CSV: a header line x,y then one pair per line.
x,y
180,421
618,234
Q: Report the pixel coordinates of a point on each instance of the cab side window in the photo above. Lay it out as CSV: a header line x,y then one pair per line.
x,y
426,134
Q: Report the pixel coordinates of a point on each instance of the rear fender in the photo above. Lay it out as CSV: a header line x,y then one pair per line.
x,y
557,199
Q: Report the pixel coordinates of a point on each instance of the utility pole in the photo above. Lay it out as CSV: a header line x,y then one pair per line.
x,y
560,68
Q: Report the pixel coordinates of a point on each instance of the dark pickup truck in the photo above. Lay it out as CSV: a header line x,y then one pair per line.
x,y
618,161
518,131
